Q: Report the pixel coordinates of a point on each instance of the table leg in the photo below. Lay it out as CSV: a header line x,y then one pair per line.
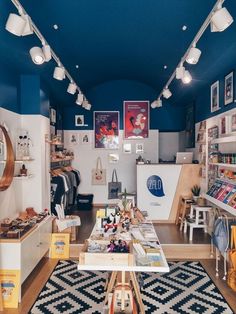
x,y
137,292
111,285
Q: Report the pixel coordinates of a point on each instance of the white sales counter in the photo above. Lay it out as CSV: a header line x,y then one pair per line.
x,y
160,186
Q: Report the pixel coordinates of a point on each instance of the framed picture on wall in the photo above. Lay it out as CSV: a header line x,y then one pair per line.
x,y
215,105
224,125
139,148
79,120
127,148
136,119
85,138
106,129
229,88
53,116
232,127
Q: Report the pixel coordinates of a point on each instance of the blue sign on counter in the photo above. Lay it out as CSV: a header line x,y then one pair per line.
x,y
155,186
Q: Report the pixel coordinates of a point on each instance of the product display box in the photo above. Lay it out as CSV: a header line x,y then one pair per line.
x,y
67,225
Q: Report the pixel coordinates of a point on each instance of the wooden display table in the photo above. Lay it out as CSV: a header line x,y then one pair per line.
x,y
123,265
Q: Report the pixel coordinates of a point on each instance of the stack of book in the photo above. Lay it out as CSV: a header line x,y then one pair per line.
x,y
224,192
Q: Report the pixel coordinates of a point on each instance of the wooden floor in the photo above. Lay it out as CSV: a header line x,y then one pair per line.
x,y
166,233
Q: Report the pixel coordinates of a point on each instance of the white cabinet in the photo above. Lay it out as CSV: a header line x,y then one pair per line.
x,y
24,254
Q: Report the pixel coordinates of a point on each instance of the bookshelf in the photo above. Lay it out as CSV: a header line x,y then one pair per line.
x,y
220,204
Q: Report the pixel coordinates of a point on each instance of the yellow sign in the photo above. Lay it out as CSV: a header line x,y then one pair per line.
x,y
60,245
10,283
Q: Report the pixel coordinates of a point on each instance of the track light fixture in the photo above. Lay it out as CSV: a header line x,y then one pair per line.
x,y
72,88
37,55
47,52
193,55
79,99
166,93
180,72
22,25
187,78
221,19
59,73
19,25
86,105
156,103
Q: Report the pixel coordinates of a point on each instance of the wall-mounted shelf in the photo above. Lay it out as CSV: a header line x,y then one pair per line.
x,y
230,166
61,159
220,204
225,139
17,161
30,176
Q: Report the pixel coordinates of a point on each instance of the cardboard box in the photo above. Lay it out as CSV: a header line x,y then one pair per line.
x,y
67,225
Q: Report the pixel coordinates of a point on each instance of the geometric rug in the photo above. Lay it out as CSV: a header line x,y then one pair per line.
x,y
186,289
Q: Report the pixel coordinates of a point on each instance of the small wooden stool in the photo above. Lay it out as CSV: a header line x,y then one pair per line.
x,y
185,203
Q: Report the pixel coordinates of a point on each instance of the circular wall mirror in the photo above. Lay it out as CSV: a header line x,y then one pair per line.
x,y
8,163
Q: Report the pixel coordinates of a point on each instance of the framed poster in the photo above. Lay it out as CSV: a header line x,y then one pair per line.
x,y
233,123
229,88
136,119
106,129
79,120
215,105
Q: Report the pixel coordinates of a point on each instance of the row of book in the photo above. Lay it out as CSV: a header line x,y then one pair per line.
x,y
224,192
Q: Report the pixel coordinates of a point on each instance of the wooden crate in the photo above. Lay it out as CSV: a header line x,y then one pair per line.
x,y
99,259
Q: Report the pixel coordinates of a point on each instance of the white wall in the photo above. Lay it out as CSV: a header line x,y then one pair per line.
x,y
168,145
33,192
85,161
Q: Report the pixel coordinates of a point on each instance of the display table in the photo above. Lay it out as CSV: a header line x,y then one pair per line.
x,y
124,265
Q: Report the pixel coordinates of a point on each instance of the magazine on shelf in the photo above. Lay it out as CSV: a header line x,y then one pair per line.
x,y
232,201
226,191
220,190
229,196
217,185
212,188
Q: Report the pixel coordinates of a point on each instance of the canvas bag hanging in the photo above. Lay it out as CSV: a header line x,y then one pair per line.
x,y
114,187
99,174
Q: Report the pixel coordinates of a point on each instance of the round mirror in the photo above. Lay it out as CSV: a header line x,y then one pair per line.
x,y
6,160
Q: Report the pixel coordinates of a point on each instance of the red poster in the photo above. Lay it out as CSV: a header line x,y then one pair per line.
x,y
136,119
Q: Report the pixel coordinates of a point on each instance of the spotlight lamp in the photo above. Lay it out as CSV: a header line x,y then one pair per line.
x,y
79,99
72,88
220,20
179,73
166,93
47,52
156,103
193,55
59,73
86,105
187,78
37,55
19,25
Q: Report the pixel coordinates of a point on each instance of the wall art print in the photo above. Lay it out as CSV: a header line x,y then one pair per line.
x,y
229,88
106,129
215,105
136,119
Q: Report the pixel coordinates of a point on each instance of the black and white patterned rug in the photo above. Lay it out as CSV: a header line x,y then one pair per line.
x,y
186,289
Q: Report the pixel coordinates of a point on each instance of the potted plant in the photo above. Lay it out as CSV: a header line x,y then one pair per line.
x,y
196,191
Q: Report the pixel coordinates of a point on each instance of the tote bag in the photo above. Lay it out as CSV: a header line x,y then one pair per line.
x,y
99,174
231,278
114,187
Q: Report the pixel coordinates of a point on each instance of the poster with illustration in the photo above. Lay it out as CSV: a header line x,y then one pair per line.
x,y
10,284
60,245
106,129
136,119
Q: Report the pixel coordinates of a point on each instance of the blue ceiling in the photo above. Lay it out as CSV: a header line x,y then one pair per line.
x,y
119,40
